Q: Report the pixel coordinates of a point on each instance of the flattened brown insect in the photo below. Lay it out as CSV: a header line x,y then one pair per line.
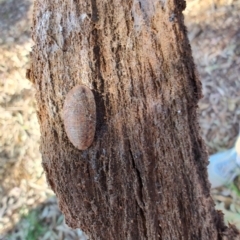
x,y
79,116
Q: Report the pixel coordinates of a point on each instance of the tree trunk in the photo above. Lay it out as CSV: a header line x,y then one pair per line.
x,y
144,176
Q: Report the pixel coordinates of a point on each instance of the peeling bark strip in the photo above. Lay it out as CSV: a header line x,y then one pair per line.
x,y
144,176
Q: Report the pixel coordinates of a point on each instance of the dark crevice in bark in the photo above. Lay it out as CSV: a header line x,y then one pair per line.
x,y
139,193
95,16
184,221
144,222
100,115
180,5
99,87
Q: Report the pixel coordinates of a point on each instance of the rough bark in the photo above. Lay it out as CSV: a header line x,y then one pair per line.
x,y
144,176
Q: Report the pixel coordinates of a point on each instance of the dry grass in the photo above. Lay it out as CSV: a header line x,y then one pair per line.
x,y
214,31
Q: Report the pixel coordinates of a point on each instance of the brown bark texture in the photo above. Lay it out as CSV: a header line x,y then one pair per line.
x,y
144,176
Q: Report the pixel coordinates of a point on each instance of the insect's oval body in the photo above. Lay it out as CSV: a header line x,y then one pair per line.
x,y
79,116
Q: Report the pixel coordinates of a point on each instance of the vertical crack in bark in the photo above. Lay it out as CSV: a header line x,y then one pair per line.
x,y
138,190
94,11
184,219
139,195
